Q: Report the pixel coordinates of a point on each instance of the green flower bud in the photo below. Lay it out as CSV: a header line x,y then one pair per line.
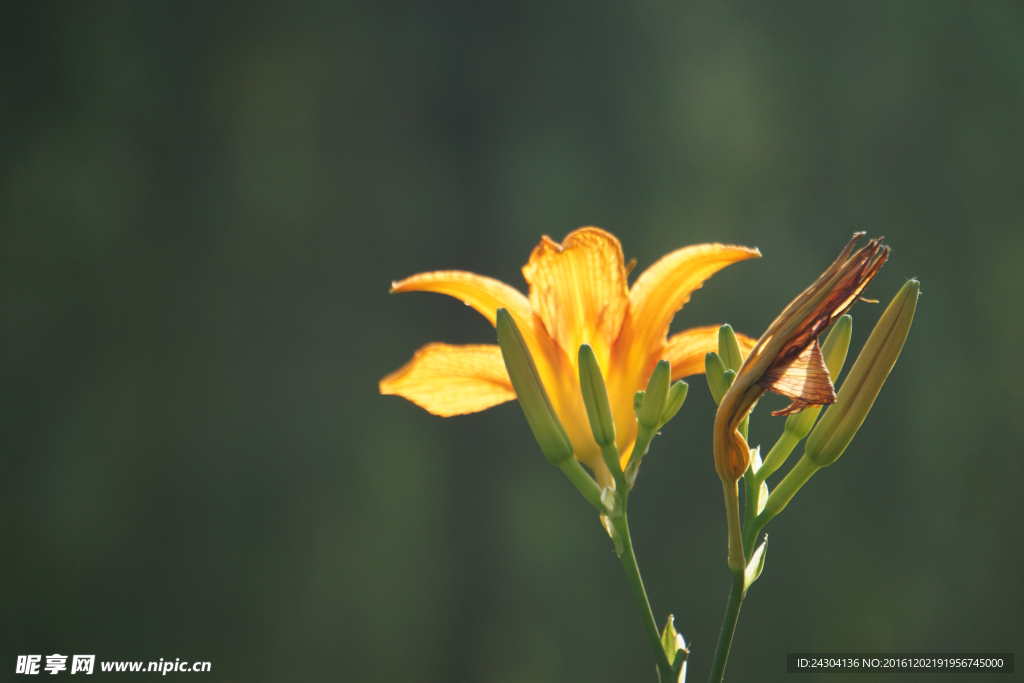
x,y
729,348
595,397
834,352
656,396
613,534
756,564
533,399
854,400
714,369
614,510
837,344
675,648
638,403
676,396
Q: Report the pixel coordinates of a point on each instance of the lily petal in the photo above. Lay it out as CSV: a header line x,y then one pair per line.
x,y
654,299
578,290
662,289
486,295
687,349
451,380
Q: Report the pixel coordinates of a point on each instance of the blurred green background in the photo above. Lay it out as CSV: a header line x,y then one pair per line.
x,y
202,206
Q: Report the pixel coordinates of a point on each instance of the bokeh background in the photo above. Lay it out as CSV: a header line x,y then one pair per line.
x,y
202,206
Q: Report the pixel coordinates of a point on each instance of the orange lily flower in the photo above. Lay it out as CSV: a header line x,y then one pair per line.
x,y
578,295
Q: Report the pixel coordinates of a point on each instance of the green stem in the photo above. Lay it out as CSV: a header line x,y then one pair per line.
x,y
732,615
778,454
582,481
610,453
787,488
640,596
751,492
750,533
640,446
737,561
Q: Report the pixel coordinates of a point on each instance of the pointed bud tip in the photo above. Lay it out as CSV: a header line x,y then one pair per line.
x,y
656,395
714,371
676,396
729,348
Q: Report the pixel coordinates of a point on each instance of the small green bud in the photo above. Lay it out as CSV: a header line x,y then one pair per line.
x,y
834,352
533,399
714,369
668,638
854,400
837,344
676,396
638,403
762,491
756,564
656,395
595,397
675,648
613,510
612,503
729,348
613,534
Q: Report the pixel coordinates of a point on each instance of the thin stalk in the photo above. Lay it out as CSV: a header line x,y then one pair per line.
x,y
751,492
640,596
732,614
787,488
751,484
803,470
582,481
737,560
611,459
640,446
750,534
778,454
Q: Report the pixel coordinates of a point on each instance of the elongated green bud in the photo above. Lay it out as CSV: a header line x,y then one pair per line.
x,y
656,395
544,422
595,397
714,369
854,400
834,351
729,348
638,403
836,345
676,396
